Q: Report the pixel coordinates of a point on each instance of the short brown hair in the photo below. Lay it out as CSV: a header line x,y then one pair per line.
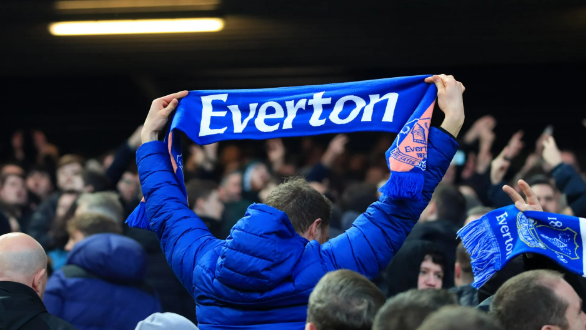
x,y
463,258
70,159
459,318
302,203
344,299
407,310
197,189
528,301
93,223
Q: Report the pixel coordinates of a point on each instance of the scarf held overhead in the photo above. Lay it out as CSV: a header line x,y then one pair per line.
x,y
500,235
397,105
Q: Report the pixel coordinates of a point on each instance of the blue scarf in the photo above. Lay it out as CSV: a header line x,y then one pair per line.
x,y
502,234
397,105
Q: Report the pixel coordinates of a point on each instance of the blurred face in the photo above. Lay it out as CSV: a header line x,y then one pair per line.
x,y
128,186
231,191
211,206
64,204
430,275
260,177
74,238
69,177
574,314
13,191
548,198
39,183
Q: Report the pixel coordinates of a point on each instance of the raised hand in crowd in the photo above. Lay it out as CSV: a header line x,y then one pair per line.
x,y
501,164
335,149
483,123
450,101
134,139
484,157
530,204
551,154
158,115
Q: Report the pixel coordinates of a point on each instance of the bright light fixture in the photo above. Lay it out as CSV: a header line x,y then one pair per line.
x,y
140,26
134,5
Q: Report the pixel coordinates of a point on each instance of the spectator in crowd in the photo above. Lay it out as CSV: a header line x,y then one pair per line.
x,y
41,230
440,222
269,287
102,284
230,189
406,311
538,299
467,295
88,224
69,173
476,213
343,299
204,201
38,182
13,201
459,318
546,192
23,278
418,265
105,203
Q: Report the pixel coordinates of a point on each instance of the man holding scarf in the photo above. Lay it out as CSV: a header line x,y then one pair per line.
x,y
261,276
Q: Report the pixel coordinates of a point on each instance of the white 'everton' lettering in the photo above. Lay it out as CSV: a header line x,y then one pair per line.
x,y
505,231
292,107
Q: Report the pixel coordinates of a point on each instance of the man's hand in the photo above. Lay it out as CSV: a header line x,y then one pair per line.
x,y
483,123
499,167
335,149
449,96
134,139
551,153
158,115
532,203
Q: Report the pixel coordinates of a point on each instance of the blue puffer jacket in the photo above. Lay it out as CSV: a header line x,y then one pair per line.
x,y
98,288
261,276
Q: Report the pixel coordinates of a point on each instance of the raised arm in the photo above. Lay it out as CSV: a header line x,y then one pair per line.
x,y
377,234
184,237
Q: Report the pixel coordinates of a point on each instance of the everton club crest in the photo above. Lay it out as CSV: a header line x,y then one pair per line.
x,y
552,236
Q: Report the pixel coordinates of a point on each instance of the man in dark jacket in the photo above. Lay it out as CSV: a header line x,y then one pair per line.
x,y
23,277
102,284
261,276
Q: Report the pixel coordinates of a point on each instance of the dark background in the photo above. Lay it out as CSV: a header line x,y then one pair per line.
x,y
522,61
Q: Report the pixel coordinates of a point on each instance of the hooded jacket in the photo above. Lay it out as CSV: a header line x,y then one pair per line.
x,y
22,309
261,276
101,285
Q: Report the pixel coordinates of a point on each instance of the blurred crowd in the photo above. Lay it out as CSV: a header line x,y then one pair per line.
x,y
76,207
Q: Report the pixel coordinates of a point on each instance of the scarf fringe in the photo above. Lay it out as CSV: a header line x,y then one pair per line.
x,y
478,239
138,218
404,185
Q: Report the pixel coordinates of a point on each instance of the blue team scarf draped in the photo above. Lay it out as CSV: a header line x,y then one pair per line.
x,y
504,233
398,105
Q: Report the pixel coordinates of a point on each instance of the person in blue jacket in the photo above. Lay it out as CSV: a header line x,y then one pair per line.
x,y
102,285
261,276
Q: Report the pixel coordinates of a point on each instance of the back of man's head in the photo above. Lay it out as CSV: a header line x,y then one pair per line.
x,y
464,275
528,301
459,318
407,310
302,204
343,300
95,181
450,204
105,203
197,189
93,223
23,260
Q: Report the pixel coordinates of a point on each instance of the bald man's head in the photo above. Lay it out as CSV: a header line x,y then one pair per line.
x,y
23,260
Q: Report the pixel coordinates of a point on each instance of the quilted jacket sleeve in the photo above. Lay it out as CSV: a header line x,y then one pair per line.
x,y
376,235
54,294
183,236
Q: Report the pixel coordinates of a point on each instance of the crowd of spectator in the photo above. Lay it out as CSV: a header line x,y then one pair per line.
x,y
101,274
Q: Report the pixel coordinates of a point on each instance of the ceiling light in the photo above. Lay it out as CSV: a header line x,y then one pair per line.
x,y
95,6
137,26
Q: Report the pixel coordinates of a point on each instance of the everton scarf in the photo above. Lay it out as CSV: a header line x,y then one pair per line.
x,y
502,234
397,105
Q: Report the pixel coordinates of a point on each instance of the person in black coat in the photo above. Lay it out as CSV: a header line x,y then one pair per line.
x,y
21,307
